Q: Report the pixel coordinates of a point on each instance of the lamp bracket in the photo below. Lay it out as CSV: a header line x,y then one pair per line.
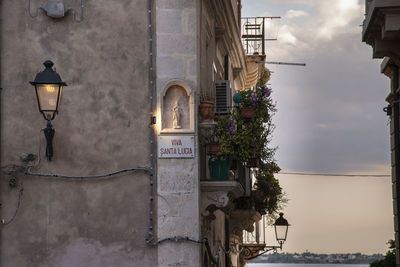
x,y
252,251
49,134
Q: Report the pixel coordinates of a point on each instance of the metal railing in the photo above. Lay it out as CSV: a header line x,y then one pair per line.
x,y
254,34
258,235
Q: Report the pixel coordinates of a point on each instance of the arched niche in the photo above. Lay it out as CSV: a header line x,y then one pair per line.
x,y
177,108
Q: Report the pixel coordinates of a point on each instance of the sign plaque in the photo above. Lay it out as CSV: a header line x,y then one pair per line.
x,y
176,146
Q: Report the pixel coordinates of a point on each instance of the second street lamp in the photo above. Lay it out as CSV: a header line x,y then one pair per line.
x,y
254,248
281,226
48,87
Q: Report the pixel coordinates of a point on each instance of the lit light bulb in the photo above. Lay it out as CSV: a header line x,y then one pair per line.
x,y
50,89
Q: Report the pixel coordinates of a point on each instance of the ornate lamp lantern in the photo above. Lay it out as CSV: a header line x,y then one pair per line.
x,y
281,226
255,245
48,87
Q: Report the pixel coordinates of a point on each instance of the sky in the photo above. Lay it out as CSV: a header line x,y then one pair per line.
x,y
329,120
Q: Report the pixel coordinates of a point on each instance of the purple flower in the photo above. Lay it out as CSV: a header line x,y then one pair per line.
x,y
254,99
266,91
231,127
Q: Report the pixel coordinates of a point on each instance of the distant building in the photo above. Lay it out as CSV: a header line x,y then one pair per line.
x,y
135,72
381,30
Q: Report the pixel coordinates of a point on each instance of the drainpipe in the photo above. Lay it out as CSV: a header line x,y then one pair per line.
x,y
396,179
150,231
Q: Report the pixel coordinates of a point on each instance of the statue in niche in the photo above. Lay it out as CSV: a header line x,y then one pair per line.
x,y
176,116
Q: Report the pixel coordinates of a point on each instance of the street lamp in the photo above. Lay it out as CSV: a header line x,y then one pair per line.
x,y
281,226
253,250
48,87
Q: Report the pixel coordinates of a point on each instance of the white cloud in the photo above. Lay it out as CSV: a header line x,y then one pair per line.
x,y
286,36
290,14
325,21
336,17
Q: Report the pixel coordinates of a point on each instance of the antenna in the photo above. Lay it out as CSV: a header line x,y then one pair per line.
x,y
286,63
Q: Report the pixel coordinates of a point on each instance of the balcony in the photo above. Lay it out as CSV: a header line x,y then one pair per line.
x,y
219,192
255,33
381,28
254,242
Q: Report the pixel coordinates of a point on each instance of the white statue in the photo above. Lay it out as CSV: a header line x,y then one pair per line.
x,y
176,116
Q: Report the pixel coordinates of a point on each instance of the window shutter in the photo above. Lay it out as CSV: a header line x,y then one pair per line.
x,y
222,97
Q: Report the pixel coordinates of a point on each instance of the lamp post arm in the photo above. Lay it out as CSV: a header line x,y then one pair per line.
x,y
267,249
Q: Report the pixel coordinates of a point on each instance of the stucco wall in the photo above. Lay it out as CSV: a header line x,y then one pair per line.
x,y
102,127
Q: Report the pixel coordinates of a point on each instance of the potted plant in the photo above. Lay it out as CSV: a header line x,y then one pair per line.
x,y
212,148
246,138
206,106
219,167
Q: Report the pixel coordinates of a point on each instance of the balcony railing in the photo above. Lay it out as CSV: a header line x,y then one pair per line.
x,y
258,236
254,34
255,243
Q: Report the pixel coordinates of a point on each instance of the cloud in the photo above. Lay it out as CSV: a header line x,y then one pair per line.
x,y
286,36
329,115
334,17
315,28
290,14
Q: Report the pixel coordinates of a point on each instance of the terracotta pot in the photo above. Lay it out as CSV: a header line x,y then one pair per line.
x,y
212,148
206,110
247,113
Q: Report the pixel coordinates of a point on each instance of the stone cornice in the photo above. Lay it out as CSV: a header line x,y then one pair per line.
x,y
232,40
381,28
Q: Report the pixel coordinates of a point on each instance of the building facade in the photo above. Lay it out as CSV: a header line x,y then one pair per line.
x,y
381,30
129,183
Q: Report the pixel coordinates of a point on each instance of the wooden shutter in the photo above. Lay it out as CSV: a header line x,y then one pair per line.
x,y
222,97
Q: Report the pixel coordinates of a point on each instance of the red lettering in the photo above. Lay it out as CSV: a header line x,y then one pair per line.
x,y
176,142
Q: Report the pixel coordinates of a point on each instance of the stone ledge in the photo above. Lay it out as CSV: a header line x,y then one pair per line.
x,y
218,195
233,187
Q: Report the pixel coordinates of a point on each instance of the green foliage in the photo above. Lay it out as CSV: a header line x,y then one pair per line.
x,y
264,77
390,258
268,196
246,138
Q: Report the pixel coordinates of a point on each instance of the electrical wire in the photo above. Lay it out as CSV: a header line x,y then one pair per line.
x,y
49,175
20,193
23,170
335,174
